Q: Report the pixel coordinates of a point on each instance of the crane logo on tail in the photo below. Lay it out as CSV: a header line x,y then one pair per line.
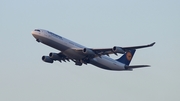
x,y
129,56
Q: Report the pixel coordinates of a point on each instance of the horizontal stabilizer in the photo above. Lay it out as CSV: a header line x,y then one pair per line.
x,y
136,66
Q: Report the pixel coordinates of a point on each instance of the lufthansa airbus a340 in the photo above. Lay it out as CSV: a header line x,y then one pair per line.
x,y
79,54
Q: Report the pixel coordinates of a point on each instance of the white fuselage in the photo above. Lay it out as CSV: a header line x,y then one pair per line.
x,y
67,47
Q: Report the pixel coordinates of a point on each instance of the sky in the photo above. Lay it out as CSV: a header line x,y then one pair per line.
x,y
92,23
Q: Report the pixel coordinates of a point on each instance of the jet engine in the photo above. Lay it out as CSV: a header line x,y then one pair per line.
x,y
118,50
88,51
47,59
54,56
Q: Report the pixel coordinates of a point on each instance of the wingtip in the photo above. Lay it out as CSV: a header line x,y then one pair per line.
x,y
152,44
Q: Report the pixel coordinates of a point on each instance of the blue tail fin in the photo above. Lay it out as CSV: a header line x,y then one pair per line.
x,y
127,57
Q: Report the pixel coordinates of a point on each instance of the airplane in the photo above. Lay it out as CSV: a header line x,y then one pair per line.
x,y
79,54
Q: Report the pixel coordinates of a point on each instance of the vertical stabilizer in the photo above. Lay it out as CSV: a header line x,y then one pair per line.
x,y
127,57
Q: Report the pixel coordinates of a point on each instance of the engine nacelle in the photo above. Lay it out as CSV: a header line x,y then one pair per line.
x,y
54,56
47,59
88,51
118,50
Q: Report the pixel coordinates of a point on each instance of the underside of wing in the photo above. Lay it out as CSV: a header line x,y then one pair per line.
x,y
61,57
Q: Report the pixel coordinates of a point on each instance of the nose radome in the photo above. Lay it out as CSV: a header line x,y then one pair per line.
x,y
35,32
32,32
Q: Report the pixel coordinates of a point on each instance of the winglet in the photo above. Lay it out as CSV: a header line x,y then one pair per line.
x,y
152,44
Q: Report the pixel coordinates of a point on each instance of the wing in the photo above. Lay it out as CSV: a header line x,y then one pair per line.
x,y
114,50
59,56
138,47
63,57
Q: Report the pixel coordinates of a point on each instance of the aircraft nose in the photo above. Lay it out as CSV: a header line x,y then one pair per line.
x,y
32,32
35,32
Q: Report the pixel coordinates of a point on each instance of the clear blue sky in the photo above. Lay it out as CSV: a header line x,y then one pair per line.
x,y
94,23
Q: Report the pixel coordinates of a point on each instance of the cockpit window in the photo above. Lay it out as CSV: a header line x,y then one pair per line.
x,y
37,30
